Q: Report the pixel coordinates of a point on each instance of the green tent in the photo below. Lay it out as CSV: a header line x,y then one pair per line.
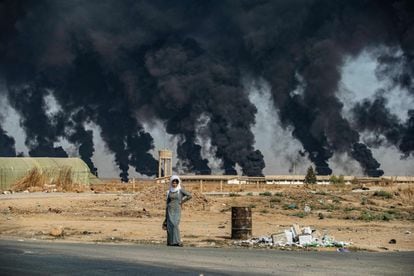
x,y
14,168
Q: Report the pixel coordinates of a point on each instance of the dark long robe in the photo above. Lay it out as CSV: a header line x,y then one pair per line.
x,y
173,215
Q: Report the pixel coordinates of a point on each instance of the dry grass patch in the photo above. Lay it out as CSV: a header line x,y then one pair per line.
x,y
40,180
32,181
407,194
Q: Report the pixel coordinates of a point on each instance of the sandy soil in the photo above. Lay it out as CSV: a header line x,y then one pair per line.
x,y
368,219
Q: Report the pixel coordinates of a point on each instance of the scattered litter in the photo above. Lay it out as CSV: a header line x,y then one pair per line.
x,y
305,239
307,209
295,229
342,250
295,236
307,230
407,232
289,237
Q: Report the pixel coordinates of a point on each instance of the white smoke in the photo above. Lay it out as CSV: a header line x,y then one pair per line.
x,y
279,147
208,151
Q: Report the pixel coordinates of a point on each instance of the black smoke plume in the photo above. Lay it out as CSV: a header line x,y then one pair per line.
x,y
41,131
407,141
375,117
119,64
7,148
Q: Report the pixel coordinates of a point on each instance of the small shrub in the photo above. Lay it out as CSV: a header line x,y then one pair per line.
x,y
337,180
278,194
329,207
321,193
364,201
299,214
383,194
249,194
395,214
266,193
275,199
336,200
233,194
367,216
310,177
252,206
333,179
264,211
349,217
386,216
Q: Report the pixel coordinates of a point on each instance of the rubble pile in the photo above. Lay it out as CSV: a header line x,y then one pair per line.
x,y
295,236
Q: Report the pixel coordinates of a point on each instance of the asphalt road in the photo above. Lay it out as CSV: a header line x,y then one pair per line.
x,y
59,258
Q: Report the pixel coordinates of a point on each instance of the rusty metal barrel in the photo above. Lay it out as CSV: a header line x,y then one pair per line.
x,y
241,223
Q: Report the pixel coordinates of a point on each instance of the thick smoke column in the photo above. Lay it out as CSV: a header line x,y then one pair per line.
x,y
7,148
407,140
362,154
42,132
83,139
102,97
191,84
117,64
375,117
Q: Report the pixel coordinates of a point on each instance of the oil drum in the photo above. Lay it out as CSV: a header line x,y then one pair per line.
x,y
241,223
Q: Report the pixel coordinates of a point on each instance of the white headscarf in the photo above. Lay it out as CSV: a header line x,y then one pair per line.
x,y
172,189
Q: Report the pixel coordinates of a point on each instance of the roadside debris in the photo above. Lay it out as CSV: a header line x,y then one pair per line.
x,y
295,236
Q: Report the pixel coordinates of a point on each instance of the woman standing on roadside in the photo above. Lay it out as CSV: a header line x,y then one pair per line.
x,y
176,196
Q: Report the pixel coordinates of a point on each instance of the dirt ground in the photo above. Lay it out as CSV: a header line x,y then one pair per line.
x,y
368,218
